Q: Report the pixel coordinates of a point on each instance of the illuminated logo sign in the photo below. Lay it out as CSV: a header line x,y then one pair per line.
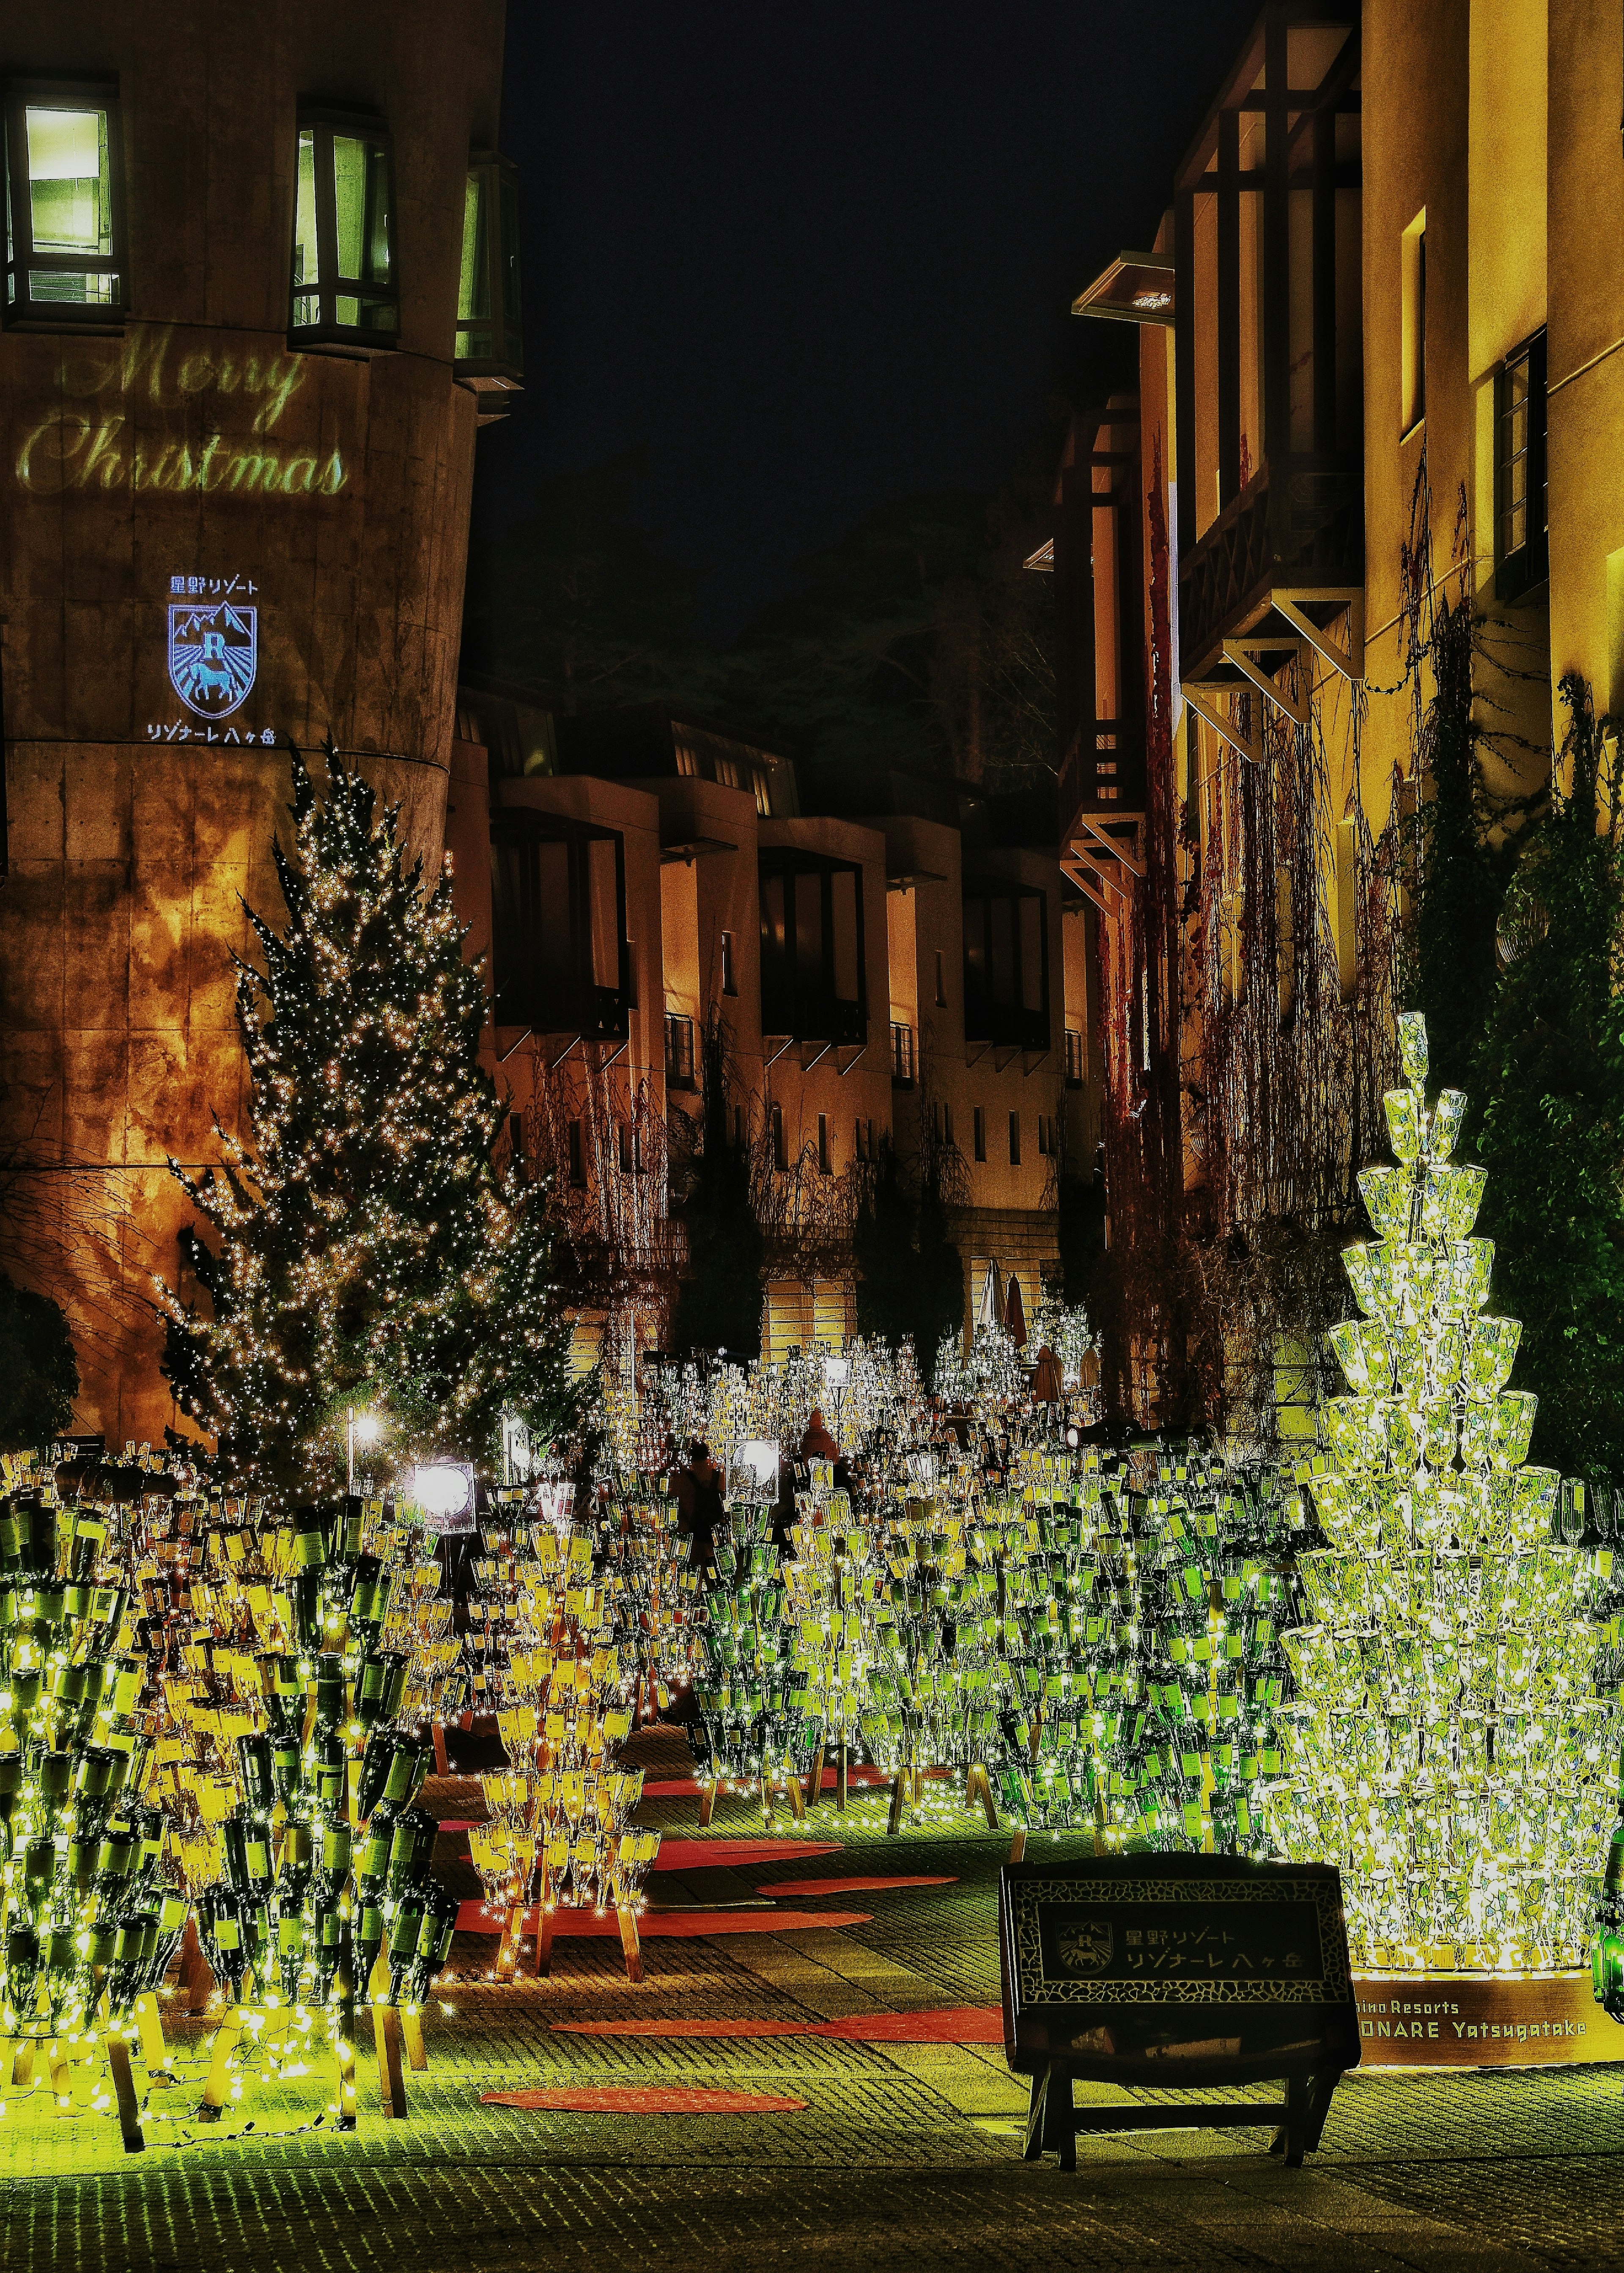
x,y
214,654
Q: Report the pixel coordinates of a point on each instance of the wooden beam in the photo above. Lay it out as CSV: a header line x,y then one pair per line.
x,y
1184,336
1244,655
1229,308
1199,699
1348,660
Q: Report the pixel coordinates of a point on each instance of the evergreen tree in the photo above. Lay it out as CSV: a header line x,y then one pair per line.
x,y
1551,1064
38,1376
366,1250
719,1301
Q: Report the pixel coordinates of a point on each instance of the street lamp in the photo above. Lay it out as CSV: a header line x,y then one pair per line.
x,y
359,1428
837,1373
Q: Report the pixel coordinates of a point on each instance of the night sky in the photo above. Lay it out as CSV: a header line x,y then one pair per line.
x,y
808,260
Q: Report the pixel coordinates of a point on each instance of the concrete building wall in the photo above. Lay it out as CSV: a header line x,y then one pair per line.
x,y
326,490
1585,216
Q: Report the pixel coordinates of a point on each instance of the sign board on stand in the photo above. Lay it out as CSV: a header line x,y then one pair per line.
x,y
1176,1972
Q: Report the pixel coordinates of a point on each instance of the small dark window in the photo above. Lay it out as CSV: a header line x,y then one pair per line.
x,y
980,1134
678,1050
824,1165
578,1154
344,282
780,1157
1523,549
901,1054
1014,1140
947,1124
1073,1058
628,1149
730,981
1042,1135
65,254
488,342
941,983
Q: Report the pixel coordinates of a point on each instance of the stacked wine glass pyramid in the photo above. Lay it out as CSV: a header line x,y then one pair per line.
x,y
90,1925
1447,1746
559,1829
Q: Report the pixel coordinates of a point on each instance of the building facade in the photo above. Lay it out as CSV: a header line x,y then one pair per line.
x,y
261,293
1378,378
911,980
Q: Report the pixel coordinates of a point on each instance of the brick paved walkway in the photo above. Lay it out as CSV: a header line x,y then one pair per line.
x,y
905,2155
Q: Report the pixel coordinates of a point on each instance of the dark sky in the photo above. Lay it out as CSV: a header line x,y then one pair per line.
x,y
808,259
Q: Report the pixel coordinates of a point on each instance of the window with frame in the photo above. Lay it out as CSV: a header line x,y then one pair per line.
x,y
65,260
489,341
1073,1058
678,1050
1006,965
345,287
559,952
1522,545
901,1054
813,985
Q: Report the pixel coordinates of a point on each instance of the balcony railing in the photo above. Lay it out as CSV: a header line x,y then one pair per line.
x,y
1106,780
1298,526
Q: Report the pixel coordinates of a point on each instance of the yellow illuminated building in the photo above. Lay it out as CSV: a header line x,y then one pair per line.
x,y
1378,374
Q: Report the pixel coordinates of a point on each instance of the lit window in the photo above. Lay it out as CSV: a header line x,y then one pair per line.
x,y
1522,545
64,253
488,341
344,284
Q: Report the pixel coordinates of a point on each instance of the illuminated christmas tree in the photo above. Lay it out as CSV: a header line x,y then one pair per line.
x,y
364,1248
1447,1749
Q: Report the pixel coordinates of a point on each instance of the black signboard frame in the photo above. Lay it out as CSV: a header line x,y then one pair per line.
x,y
1175,1972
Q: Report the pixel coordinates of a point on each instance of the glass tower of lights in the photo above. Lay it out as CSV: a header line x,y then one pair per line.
x,y
1447,1746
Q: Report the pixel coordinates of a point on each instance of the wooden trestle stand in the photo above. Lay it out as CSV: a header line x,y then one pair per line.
x,y
18,2055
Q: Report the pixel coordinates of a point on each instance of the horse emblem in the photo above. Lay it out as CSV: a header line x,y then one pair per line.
x,y
214,654
1085,1944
